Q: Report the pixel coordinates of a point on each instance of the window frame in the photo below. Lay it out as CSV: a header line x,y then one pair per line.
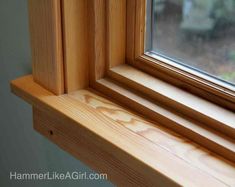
x,y
118,50
81,54
131,51
197,83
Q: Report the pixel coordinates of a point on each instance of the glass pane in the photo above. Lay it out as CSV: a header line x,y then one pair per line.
x,y
197,33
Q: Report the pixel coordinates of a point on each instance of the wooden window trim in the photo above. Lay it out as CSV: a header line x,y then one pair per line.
x,y
151,86
176,99
113,140
74,14
46,44
184,78
89,56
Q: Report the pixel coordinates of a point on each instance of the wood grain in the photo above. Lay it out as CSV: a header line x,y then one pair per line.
x,y
140,27
205,86
194,83
46,44
116,32
187,127
75,37
97,39
88,148
172,97
130,31
169,140
149,160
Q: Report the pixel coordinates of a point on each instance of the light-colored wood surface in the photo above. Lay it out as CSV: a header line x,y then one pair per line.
x,y
177,99
107,36
139,30
187,127
136,29
169,140
116,32
97,39
136,17
75,32
185,78
146,153
46,44
89,149
188,80
130,31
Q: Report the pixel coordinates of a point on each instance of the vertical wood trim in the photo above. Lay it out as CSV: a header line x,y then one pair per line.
x,y
130,30
135,40
46,44
75,27
140,28
97,40
116,27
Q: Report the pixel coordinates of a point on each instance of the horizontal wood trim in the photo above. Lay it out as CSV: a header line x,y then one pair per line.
x,y
209,138
185,78
146,162
90,151
179,100
46,44
152,131
190,82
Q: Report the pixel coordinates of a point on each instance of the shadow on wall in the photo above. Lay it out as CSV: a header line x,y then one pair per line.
x,y
22,149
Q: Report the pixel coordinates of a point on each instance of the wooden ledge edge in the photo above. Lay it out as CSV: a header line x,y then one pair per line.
x,y
173,97
204,136
126,157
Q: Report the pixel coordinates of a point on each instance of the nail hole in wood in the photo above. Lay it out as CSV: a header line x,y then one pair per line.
x,y
51,132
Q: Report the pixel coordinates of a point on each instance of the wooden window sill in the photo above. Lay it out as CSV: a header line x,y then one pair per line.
x,y
177,99
193,117
111,139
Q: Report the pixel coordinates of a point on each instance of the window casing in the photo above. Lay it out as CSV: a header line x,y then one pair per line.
x,y
119,68
94,47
